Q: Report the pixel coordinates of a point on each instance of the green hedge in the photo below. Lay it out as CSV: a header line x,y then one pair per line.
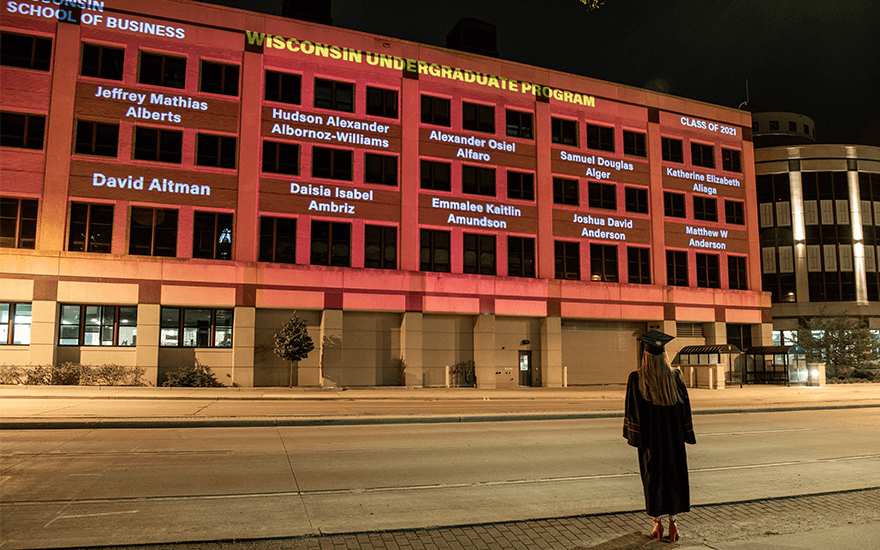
x,y
72,374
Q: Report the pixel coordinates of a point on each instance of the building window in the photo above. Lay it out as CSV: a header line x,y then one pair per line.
x,y
734,212
162,70
521,257
102,62
636,200
478,181
479,254
676,268
283,87
435,110
708,271
381,169
153,232
565,191
15,324
564,132
212,236
792,126
96,138
434,250
216,151
158,145
281,158
602,195
381,102
638,261
380,247
519,124
807,129
672,150
567,260
277,240
91,228
331,244
480,118
26,52
85,325
436,175
730,160
736,269
705,209
634,144
600,137
334,164
774,125
673,205
330,94
195,328
520,185
219,78
702,155
603,263
18,223
21,130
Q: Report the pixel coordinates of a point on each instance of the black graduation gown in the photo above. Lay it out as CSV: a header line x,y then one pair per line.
x,y
660,434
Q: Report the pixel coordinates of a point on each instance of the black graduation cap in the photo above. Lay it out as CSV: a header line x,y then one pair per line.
x,y
655,341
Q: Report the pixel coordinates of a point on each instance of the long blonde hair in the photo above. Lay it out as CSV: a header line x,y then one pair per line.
x,y
657,380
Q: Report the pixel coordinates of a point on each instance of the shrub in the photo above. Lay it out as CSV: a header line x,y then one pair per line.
x,y
72,374
196,376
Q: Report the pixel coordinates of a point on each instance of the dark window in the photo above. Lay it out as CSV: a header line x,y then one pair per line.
x,y
434,250
734,212
479,254
96,138
480,118
163,70
84,325
521,257
381,169
638,261
102,62
381,102
283,87
703,155
634,144
774,125
334,164
730,160
91,228
338,96
478,181
20,130
212,236
603,263
602,195
26,52
567,260
636,200
218,151
219,78
15,324
158,145
600,137
736,269
673,205
707,271
564,132
519,124
195,328
520,185
807,129
436,175
153,232
672,150
278,240
380,247
281,158
331,244
705,209
739,335
792,126
565,191
435,110
18,223
676,268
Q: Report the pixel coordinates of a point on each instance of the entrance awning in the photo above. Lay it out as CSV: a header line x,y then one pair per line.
x,y
716,348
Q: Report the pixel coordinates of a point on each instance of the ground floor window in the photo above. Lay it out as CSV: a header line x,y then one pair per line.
x,y
93,325
196,328
15,324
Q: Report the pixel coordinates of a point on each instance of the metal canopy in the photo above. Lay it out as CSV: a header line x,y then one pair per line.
x,y
717,348
774,350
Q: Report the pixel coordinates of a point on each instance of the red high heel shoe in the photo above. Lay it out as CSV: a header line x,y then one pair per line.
x,y
673,530
658,529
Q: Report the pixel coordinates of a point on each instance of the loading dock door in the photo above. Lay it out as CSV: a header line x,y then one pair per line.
x,y
600,352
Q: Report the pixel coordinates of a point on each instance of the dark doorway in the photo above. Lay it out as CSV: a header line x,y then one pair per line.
x,y
525,369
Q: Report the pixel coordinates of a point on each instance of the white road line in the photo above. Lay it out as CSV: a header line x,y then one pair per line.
x,y
91,516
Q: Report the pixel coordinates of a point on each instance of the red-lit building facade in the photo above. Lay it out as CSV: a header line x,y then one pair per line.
x,y
178,179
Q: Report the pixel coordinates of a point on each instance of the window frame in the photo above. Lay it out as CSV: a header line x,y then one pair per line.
x,y
384,241
334,103
278,90
94,130
702,155
483,119
273,152
338,234
277,236
163,149
734,212
33,131
603,263
478,180
156,241
702,211
92,236
40,58
387,169
430,113
514,126
385,108
731,160
83,328
638,265
483,247
16,333
229,77
737,276
567,260
564,131
677,268
167,77
636,199
431,182
635,144
521,252
24,236
215,330
674,205
672,149
566,191
335,170
213,227
100,70
708,270
600,138
602,196
429,249
213,150
522,184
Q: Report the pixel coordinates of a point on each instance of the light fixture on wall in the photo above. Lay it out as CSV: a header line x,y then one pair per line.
x,y
524,343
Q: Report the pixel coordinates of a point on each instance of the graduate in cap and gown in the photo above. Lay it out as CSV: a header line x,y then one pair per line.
x,y
657,421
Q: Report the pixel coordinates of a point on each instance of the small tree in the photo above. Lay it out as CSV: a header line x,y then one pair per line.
x,y
843,342
293,343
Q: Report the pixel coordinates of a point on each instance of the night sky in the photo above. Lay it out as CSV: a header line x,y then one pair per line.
x,y
819,58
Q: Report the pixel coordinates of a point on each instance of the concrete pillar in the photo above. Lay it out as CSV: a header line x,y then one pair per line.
x,y
331,348
799,230
243,336
552,375
715,333
411,327
855,214
44,332
148,334
484,351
